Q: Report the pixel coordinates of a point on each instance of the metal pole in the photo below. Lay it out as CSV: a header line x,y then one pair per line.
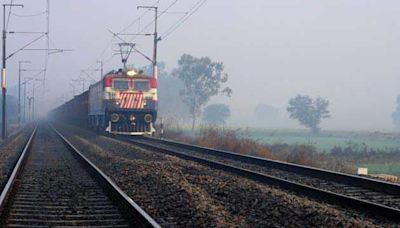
x,y
3,72
156,39
33,101
3,79
155,70
19,91
19,94
24,100
83,85
29,108
101,69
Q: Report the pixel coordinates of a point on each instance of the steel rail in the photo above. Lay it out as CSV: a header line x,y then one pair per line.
x,y
133,209
312,192
16,171
359,181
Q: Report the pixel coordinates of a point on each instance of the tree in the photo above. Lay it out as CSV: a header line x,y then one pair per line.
x,y
308,112
202,79
216,113
396,114
170,103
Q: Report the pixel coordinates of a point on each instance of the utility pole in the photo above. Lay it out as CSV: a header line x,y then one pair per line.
x,y
156,38
29,109
25,100
19,91
33,101
3,72
79,81
101,69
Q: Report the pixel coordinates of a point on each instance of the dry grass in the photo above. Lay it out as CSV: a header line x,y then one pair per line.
x,y
227,139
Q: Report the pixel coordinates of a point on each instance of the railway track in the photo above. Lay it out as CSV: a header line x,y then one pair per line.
x,y
53,184
368,195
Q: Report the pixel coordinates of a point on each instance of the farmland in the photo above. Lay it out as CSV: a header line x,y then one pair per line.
x,y
379,152
341,151
326,140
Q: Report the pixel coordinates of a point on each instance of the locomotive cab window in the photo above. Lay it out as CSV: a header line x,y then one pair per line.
x,y
141,85
121,84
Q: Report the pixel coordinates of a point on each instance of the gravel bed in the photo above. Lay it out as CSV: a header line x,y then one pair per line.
x,y
340,188
55,190
180,193
10,150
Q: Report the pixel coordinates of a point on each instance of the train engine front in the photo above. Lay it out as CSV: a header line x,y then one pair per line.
x,y
124,102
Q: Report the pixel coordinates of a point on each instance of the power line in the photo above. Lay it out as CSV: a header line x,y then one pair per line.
x,y
47,53
138,18
25,46
29,15
152,21
9,13
184,18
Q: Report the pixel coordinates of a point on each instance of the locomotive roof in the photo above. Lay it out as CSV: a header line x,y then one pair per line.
x,y
124,74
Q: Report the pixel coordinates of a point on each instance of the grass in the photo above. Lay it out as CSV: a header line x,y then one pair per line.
x,y
326,140
335,150
388,168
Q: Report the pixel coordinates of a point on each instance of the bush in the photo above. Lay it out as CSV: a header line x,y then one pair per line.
x,y
227,139
224,139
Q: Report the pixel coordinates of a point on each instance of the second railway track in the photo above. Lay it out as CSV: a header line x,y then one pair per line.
x,y
364,194
54,185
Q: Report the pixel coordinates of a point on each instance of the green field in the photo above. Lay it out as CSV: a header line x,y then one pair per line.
x,y
326,140
393,168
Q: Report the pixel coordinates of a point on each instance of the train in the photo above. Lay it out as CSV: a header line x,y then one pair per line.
x,y
123,102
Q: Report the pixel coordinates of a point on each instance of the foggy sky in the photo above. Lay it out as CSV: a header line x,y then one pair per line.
x,y
344,51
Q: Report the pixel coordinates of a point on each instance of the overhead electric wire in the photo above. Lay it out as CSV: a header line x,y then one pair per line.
x,y
137,19
9,14
29,15
112,39
26,45
47,53
183,19
158,16
175,12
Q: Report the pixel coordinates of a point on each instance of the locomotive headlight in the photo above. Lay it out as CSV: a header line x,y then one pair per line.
x,y
132,118
148,118
114,117
131,73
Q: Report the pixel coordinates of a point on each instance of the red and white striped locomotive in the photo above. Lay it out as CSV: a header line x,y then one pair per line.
x,y
124,102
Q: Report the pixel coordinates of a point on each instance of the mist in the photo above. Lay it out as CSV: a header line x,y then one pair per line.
x,y
344,51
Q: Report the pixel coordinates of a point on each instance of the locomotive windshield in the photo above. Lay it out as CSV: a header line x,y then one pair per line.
x,y
121,84
141,85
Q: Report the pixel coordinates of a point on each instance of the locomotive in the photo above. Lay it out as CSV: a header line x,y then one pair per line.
x,y
123,102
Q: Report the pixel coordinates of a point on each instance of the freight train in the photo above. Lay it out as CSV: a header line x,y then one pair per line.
x,y
122,102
